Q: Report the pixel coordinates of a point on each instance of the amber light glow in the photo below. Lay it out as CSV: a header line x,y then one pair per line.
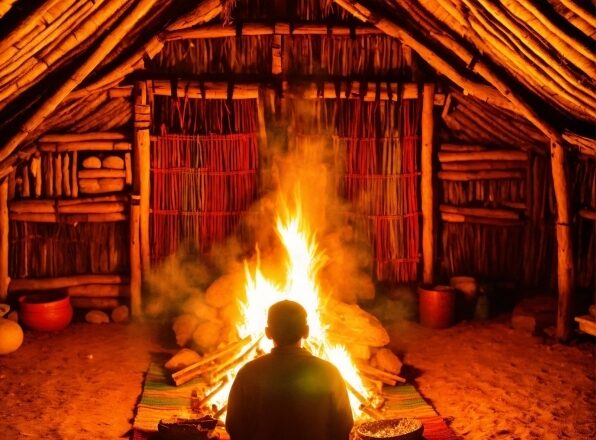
x,y
303,263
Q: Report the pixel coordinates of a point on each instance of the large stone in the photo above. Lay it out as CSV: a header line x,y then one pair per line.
x,y
120,314
388,361
207,335
92,162
184,326
195,305
182,359
224,290
97,317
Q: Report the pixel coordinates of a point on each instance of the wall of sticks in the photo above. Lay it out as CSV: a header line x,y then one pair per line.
x,y
204,170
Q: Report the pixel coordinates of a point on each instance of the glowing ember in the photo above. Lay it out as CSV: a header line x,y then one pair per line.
x,y
304,260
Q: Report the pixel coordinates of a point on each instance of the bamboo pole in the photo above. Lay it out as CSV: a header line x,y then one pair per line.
x,y
36,217
588,214
478,66
99,290
426,185
212,90
26,284
80,74
565,270
82,137
102,172
497,155
459,218
465,176
479,165
277,29
480,212
135,258
353,90
96,145
4,239
143,147
73,174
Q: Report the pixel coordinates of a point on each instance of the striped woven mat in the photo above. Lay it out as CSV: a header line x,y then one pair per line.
x,y
162,400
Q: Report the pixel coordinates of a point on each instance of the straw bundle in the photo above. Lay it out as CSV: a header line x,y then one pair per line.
x,y
47,250
376,147
246,55
365,56
202,184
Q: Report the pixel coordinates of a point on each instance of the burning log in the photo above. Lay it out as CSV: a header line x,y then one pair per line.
x,y
375,373
364,402
222,370
198,368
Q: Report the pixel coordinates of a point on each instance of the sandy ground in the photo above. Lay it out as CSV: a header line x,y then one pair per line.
x,y
487,380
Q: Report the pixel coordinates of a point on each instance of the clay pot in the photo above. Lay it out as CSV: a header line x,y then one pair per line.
x,y
46,312
436,306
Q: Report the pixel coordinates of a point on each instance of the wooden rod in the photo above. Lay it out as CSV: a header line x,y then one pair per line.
x,y
82,137
589,214
467,156
26,284
34,217
463,176
55,207
458,218
480,212
565,270
99,290
480,165
135,259
143,147
99,145
427,191
4,239
350,90
281,28
207,90
102,172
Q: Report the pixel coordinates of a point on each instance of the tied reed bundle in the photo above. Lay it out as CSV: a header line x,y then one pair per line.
x,y
202,184
376,145
47,250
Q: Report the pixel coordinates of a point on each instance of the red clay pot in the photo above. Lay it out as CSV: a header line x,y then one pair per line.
x,y
46,311
436,306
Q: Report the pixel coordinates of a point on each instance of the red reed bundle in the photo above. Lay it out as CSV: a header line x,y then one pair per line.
x,y
202,183
377,145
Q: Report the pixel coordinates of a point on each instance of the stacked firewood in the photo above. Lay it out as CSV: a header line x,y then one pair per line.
x,y
208,321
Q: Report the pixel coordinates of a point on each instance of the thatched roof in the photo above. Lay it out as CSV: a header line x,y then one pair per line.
x,y
59,58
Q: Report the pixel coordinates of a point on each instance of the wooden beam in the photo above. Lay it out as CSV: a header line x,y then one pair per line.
x,y
427,188
143,146
280,28
354,90
4,239
135,259
565,270
90,63
27,284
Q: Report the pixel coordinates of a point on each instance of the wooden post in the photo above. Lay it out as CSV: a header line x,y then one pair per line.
x,y
428,227
4,280
135,258
142,143
565,275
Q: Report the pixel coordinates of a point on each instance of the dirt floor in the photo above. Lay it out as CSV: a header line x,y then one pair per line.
x,y
487,380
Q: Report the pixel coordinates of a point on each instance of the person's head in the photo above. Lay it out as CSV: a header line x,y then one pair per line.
x,y
286,323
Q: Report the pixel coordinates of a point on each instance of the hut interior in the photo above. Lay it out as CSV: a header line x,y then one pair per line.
x,y
419,175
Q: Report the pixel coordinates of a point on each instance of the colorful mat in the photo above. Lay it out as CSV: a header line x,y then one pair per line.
x,y
162,400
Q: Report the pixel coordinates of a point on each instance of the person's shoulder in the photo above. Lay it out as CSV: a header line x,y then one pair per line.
x,y
326,366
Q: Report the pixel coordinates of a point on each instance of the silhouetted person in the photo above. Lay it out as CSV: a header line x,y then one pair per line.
x,y
288,394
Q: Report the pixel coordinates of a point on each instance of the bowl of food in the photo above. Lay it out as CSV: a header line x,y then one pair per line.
x,y
391,429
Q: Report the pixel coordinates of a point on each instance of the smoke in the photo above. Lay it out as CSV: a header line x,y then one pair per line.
x,y
299,171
